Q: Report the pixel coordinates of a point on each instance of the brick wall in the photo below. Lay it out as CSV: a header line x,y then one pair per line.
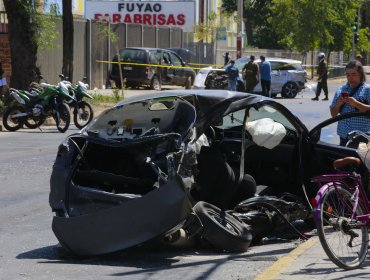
x,y
5,56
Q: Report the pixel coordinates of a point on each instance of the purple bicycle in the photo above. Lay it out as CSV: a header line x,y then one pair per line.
x,y
342,211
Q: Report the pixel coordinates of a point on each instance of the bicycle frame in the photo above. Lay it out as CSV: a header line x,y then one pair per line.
x,y
359,196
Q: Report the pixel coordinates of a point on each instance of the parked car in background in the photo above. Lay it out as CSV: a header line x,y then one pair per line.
x,y
288,77
185,54
139,69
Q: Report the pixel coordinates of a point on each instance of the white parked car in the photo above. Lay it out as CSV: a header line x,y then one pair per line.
x,y
288,77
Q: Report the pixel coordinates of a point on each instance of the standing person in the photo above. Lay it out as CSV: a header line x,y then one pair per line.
x,y
360,59
351,97
226,58
232,75
322,80
250,74
265,70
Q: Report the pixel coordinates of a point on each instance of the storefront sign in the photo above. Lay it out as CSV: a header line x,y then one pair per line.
x,y
162,13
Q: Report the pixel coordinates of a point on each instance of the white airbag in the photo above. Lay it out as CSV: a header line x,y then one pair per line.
x,y
266,132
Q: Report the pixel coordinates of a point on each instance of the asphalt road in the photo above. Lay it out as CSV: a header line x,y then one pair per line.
x,y
28,248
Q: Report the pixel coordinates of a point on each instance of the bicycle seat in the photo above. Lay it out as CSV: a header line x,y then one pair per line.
x,y
347,161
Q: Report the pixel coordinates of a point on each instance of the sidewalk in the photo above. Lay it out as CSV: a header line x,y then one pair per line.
x,y
309,260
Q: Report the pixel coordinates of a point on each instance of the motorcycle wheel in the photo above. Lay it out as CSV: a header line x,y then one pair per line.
x,y
221,229
83,114
62,117
13,124
34,122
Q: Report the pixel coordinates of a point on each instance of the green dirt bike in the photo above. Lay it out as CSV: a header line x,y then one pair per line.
x,y
82,111
33,108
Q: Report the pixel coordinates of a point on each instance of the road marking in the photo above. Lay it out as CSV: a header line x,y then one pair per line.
x,y
277,267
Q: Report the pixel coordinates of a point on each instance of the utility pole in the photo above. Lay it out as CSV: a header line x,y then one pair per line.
x,y
239,29
355,28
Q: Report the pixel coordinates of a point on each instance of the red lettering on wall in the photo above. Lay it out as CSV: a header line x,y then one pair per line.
x,y
137,18
147,19
127,19
116,18
161,19
97,16
171,20
180,19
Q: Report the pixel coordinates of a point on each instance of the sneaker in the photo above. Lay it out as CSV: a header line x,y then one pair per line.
x,y
315,98
325,99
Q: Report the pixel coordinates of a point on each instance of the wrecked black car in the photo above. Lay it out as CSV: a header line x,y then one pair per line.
x,y
202,161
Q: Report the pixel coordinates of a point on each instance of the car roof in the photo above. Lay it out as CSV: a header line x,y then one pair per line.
x,y
140,48
209,103
275,59
216,94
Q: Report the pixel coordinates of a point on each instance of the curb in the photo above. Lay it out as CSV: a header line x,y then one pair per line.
x,y
273,271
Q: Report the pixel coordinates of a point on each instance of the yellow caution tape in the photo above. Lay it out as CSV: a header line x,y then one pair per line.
x,y
217,65
152,65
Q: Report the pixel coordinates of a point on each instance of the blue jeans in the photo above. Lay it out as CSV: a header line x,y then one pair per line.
x,y
232,85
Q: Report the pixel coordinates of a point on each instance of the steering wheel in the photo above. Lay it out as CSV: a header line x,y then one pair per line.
x,y
211,135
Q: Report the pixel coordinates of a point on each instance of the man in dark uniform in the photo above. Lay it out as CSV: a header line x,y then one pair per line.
x,y
226,58
322,80
250,74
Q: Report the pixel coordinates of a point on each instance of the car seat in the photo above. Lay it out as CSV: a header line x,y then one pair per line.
x,y
217,182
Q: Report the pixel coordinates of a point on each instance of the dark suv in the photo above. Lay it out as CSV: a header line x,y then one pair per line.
x,y
142,72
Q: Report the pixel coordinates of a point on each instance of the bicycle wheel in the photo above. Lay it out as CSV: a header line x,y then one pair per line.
x,y
344,240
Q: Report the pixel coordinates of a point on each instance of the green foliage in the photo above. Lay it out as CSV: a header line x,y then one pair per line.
x,y
363,44
106,33
116,91
229,6
43,25
46,31
310,24
206,31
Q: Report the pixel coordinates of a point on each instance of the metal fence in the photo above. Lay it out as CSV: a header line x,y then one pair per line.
x,y
90,46
103,48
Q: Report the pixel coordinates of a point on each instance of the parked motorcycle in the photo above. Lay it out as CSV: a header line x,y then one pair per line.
x,y
32,108
82,111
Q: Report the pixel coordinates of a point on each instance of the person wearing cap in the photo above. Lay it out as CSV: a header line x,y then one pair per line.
x,y
250,74
360,59
226,58
265,71
322,80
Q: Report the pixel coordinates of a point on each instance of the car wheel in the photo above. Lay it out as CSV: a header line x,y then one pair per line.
x,y
118,83
290,90
155,84
221,229
188,83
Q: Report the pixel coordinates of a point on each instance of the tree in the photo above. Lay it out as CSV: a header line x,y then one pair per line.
x,y
68,31
105,32
22,39
257,28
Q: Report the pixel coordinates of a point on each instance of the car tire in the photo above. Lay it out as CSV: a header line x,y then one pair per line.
x,y
117,83
222,229
290,90
155,83
188,82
